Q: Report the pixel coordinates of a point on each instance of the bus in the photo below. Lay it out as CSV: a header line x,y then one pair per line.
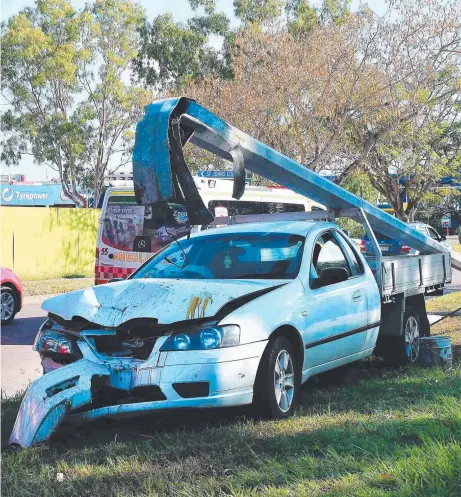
x,y
128,235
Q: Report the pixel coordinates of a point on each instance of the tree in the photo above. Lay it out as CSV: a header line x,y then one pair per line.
x,y
63,76
299,94
173,53
304,18
412,138
351,87
258,11
414,157
438,203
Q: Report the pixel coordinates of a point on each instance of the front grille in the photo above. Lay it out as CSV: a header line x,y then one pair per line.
x,y
123,346
104,395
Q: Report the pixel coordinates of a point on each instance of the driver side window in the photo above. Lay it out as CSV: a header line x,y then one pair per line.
x,y
327,254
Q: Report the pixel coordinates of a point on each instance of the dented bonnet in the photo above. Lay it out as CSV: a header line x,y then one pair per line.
x,y
166,300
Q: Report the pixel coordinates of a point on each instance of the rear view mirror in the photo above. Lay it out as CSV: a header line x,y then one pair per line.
x,y
330,276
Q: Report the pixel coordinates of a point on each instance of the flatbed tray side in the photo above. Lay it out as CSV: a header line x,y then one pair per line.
x,y
413,274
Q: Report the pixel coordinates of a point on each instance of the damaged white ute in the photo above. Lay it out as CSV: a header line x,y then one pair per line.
x,y
227,317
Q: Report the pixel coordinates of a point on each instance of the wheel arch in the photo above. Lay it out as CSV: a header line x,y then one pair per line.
x,y
418,303
294,337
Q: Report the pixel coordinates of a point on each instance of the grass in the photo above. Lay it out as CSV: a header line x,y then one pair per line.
x,y
451,327
52,286
448,302
364,430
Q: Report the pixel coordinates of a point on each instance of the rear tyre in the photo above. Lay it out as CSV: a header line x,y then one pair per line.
x,y
403,349
277,385
8,305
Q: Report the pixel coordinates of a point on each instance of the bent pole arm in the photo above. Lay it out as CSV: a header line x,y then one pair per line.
x,y
206,130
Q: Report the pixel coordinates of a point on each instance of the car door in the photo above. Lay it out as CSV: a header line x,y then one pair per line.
x,y
437,237
337,314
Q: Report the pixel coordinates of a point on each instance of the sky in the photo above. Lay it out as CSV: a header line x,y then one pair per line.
x,y
181,11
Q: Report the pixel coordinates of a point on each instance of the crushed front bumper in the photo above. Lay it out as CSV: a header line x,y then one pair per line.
x,y
72,392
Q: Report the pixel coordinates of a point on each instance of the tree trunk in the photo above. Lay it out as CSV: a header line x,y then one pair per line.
x,y
74,196
97,193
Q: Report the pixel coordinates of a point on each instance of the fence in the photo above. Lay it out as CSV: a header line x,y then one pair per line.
x,y
39,242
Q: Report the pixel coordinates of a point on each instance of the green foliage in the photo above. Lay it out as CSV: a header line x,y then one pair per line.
x,y
304,18
438,203
359,184
63,75
335,11
413,159
172,54
258,11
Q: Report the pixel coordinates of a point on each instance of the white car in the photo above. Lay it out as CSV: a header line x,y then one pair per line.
x,y
227,317
428,230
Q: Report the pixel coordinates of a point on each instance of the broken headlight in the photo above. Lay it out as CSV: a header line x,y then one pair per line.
x,y
52,341
214,337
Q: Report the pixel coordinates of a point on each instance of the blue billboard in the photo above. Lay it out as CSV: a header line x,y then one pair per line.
x,y
30,195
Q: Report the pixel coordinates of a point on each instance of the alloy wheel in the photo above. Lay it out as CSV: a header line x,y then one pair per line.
x,y
7,306
284,381
412,339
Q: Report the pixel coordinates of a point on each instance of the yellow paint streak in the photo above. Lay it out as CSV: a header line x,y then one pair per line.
x,y
205,304
193,305
197,306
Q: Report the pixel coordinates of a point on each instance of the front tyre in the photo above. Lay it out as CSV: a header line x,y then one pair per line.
x,y
277,383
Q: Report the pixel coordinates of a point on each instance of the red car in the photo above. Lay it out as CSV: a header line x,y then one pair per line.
x,y
11,295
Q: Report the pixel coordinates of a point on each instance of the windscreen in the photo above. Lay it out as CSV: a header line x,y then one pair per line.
x,y
228,256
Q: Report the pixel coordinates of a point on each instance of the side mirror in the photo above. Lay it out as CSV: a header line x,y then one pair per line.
x,y
330,276
443,238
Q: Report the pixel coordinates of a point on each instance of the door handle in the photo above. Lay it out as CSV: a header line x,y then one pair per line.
x,y
357,296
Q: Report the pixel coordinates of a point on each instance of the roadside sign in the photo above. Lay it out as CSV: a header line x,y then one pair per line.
x,y
446,222
215,174
221,211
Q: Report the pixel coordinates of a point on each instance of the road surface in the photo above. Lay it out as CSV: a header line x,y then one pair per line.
x,y
21,365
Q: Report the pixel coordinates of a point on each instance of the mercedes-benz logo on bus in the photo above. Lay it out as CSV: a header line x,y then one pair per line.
x,y
142,244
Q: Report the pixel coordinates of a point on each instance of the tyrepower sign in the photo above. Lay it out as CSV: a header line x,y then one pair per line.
x,y
29,195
